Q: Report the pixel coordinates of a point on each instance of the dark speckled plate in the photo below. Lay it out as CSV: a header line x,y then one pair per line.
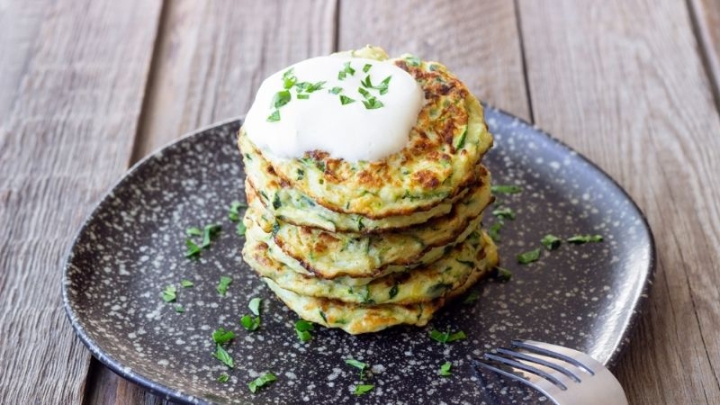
x,y
132,246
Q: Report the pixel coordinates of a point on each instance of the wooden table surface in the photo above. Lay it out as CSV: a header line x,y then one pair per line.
x,y
88,87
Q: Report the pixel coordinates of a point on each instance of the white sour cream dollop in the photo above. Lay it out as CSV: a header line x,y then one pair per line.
x,y
318,119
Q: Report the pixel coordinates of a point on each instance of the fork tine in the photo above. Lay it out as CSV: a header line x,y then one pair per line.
x,y
534,347
527,368
481,364
540,361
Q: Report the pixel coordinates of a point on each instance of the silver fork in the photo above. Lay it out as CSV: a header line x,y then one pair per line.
x,y
565,376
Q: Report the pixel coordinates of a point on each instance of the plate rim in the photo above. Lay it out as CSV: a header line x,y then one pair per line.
x,y
639,308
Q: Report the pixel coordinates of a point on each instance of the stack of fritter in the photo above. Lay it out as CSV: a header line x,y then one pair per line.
x,y
367,245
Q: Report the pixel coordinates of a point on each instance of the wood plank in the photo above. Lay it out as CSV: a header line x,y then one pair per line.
x,y
213,56
623,83
73,76
210,60
706,20
478,41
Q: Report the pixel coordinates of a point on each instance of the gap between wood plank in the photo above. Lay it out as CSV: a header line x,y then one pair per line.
x,y
137,151
711,64
523,61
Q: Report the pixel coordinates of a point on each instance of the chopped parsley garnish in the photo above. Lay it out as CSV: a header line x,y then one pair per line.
x,y
551,242
262,381
193,231
580,239
506,189
234,210
529,256
366,94
223,378
221,336
382,87
501,274
303,329
367,67
347,70
505,213
209,233
303,96
254,306
274,117
193,249
336,90
289,79
363,389
222,355
241,229
281,98
308,87
179,309
169,294
249,322
344,100
494,231
187,283
445,369
447,337
472,297
357,364
222,287
372,104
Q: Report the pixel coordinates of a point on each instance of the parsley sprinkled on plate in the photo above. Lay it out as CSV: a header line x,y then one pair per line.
x,y
249,322
363,389
234,210
186,283
501,274
506,189
504,212
472,297
580,239
494,231
551,242
303,329
179,309
193,231
445,369
224,357
223,378
254,306
529,256
169,294
193,249
262,381
240,229
209,232
358,364
447,337
222,287
221,336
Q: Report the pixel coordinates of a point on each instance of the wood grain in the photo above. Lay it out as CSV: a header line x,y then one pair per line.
x,y
72,77
478,41
210,59
623,82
